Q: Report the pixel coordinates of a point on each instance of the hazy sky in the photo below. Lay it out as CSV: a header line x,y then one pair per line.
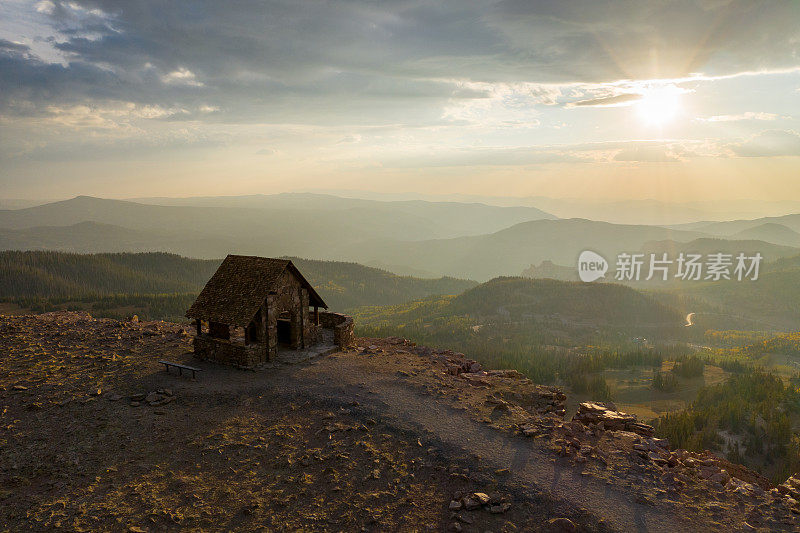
x,y
664,99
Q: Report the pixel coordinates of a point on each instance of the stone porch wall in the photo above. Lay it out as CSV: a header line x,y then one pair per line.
x,y
342,326
227,353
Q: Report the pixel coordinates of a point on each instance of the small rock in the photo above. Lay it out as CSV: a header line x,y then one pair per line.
x,y
152,397
720,477
470,504
499,508
455,505
481,497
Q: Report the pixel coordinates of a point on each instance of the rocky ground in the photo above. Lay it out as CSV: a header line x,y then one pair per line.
x,y
387,436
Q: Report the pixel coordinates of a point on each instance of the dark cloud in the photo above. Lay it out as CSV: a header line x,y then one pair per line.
x,y
603,40
253,57
9,48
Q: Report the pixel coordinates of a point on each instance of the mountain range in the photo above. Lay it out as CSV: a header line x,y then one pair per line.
x,y
465,240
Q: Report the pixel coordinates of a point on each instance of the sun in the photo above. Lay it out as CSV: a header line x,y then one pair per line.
x,y
659,106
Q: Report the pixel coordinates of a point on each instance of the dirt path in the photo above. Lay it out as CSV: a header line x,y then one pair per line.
x,y
533,470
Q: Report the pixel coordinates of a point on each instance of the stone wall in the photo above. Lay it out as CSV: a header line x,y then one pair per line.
x,y
292,297
342,326
228,353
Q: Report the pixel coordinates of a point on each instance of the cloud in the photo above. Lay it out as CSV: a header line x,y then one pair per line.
x,y
749,115
607,101
455,63
647,153
120,143
181,76
770,143
45,6
255,53
597,152
349,139
494,156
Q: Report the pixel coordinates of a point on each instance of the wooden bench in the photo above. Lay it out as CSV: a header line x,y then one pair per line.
x,y
180,367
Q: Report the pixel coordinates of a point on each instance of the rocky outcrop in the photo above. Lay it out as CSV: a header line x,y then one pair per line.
x,y
455,362
602,416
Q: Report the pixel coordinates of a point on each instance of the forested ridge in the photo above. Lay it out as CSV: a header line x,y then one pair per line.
x,y
164,282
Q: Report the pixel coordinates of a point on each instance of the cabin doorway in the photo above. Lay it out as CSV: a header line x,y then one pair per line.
x,y
284,329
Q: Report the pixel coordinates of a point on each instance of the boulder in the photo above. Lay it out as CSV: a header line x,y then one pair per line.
x,y
598,415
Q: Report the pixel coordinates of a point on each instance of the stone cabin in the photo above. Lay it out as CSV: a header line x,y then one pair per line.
x,y
252,307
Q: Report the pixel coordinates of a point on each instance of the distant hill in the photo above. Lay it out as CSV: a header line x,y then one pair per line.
x,y
548,269
423,239
302,225
771,232
467,217
65,275
769,303
732,227
347,285
596,303
706,246
94,237
513,249
526,313
784,263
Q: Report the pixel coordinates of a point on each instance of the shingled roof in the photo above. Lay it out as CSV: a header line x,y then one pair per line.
x,y
238,288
